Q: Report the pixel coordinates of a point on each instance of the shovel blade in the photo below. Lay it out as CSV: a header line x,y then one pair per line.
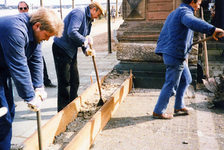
x,y
100,103
210,84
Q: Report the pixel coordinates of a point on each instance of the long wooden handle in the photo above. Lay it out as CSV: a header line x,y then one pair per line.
x,y
203,40
39,130
205,48
97,76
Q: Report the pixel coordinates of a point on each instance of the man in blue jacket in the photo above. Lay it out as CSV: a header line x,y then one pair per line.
x,y
174,44
77,28
23,7
21,60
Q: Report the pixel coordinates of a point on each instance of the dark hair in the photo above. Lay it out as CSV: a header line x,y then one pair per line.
x,y
23,2
189,1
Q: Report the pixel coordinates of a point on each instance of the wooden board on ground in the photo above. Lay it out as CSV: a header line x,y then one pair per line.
x,y
84,139
60,121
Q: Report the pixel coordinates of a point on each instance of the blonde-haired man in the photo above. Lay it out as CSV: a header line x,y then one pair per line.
x,y
23,7
21,60
77,26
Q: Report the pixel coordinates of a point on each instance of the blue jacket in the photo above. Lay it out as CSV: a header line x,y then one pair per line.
x,y
219,14
20,55
77,25
176,37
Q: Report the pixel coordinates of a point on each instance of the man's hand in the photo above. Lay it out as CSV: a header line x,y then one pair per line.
x,y
90,52
88,41
219,33
3,111
35,103
41,93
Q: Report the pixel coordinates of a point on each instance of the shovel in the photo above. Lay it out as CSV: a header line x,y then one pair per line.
x,y
202,40
101,102
39,130
210,83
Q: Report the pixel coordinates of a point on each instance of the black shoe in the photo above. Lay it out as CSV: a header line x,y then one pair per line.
x,y
181,112
50,85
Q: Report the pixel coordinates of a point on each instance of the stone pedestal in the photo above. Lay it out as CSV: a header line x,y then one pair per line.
x,y
137,38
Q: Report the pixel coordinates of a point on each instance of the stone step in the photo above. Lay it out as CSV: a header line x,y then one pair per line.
x,y
149,74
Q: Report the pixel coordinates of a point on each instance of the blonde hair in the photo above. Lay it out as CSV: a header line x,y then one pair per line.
x,y
49,21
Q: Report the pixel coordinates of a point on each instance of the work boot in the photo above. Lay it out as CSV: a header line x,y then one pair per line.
x,y
162,116
50,85
181,112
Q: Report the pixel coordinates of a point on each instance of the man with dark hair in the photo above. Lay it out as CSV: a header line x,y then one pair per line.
x,y
23,7
77,28
174,44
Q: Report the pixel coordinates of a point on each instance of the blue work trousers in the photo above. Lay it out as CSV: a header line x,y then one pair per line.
x,y
6,100
68,76
177,80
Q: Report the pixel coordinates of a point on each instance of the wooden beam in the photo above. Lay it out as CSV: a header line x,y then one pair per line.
x,y
86,136
58,123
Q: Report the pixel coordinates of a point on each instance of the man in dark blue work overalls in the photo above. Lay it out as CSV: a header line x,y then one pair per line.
x,y
174,44
21,60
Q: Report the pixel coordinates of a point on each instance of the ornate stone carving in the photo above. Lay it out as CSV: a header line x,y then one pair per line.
x,y
134,9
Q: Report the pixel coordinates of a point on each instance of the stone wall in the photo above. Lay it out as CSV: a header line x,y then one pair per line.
x,y
143,21
137,38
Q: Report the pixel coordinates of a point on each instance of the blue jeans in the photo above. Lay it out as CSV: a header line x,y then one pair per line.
x,y
178,78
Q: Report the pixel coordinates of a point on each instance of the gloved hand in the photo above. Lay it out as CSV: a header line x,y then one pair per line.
x,y
35,103
3,111
90,52
88,41
41,92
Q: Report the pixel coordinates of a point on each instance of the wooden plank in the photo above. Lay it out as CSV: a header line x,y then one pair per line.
x,y
157,15
58,123
86,136
158,7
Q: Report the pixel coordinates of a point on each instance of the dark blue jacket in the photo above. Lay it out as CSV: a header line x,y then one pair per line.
x,y
77,25
219,13
176,37
20,55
